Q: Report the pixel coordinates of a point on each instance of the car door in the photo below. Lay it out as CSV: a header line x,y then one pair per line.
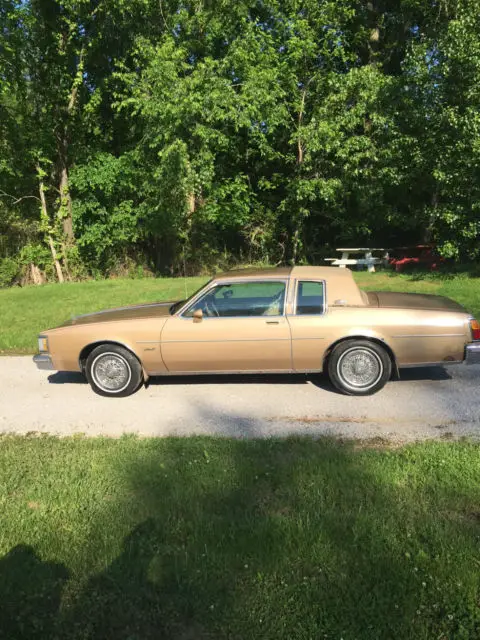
x,y
308,325
242,328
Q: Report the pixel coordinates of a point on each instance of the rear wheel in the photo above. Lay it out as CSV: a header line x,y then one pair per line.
x,y
112,370
359,367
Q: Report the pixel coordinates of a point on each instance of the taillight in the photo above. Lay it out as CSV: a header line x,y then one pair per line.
x,y
475,329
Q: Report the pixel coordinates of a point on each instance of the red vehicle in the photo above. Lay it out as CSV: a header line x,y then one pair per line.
x,y
421,256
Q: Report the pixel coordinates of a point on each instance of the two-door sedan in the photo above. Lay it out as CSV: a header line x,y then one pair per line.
x,y
288,319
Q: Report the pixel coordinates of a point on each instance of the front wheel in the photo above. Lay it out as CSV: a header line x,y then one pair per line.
x,y
359,367
112,370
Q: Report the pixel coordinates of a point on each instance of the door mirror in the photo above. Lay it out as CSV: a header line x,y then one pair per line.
x,y
197,315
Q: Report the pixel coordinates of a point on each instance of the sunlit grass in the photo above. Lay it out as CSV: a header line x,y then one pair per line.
x,y
461,288
24,312
214,538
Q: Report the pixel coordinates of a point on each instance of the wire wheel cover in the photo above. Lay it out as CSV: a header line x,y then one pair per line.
x,y
111,372
360,368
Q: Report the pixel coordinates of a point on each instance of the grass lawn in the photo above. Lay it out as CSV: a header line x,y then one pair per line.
x,y
24,312
194,539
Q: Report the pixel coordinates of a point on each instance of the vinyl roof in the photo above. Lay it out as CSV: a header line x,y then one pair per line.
x,y
274,272
340,285
322,273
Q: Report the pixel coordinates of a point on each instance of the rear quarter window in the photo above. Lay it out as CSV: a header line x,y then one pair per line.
x,y
310,298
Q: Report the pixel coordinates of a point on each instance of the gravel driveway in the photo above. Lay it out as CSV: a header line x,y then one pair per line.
x,y
429,402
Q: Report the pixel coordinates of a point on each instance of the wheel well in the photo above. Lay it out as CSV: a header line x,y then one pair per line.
x,y
381,343
86,351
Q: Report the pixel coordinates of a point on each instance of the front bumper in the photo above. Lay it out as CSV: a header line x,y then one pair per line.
x,y
43,361
472,353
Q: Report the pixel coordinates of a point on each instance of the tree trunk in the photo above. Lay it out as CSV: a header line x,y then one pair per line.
x,y
299,126
58,268
295,245
62,143
428,233
43,201
300,154
374,38
66,198
191,204
36,274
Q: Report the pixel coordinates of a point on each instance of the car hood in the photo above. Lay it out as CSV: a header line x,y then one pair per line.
x,y
392,299
152,310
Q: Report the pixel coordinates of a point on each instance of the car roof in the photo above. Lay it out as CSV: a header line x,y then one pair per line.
x,y
273,272
316,273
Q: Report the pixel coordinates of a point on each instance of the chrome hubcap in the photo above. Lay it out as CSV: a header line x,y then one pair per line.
x,y
360,368
111,372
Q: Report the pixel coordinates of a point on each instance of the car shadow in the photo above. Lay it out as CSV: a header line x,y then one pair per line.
x,y
424,373
318,379
67,377
230,378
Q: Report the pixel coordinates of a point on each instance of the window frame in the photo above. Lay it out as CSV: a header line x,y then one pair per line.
x,y
295,301
218,283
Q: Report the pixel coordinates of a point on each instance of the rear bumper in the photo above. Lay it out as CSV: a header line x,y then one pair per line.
x,y
43,361
472,353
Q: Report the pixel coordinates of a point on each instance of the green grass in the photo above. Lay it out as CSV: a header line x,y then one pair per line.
x,y
214,538
24,312
463,289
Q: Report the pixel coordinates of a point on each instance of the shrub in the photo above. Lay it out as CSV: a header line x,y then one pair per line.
x,y
9,269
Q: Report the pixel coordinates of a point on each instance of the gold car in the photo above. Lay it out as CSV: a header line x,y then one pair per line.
x,y
296,319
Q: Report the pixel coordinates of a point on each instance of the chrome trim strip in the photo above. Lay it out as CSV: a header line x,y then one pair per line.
x,y
222,341
227,372
236,318
431,335
429,364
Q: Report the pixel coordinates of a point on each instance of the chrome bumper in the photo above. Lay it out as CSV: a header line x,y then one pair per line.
x,y
43,361
472,353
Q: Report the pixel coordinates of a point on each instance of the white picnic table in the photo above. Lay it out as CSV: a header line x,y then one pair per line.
x,y
367,260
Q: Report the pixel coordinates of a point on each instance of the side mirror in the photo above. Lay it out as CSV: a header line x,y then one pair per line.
x,y
197,315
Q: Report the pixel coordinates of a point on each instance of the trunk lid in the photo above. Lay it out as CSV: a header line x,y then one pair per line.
x,y
394,300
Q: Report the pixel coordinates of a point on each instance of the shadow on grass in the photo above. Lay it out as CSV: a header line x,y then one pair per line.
x,y
264,539
30,594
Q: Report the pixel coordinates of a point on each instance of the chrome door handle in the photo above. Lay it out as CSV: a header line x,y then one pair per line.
x,y
273,322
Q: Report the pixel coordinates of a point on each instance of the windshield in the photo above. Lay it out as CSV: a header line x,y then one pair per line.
x,y
176,305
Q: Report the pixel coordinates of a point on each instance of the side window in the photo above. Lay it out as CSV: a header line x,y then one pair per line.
x,y
255,298
310,298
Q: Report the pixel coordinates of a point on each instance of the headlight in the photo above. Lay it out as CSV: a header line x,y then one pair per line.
x,y
42,344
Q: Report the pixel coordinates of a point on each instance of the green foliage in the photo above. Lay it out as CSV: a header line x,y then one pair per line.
x,y
197,133
106,221
8,271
